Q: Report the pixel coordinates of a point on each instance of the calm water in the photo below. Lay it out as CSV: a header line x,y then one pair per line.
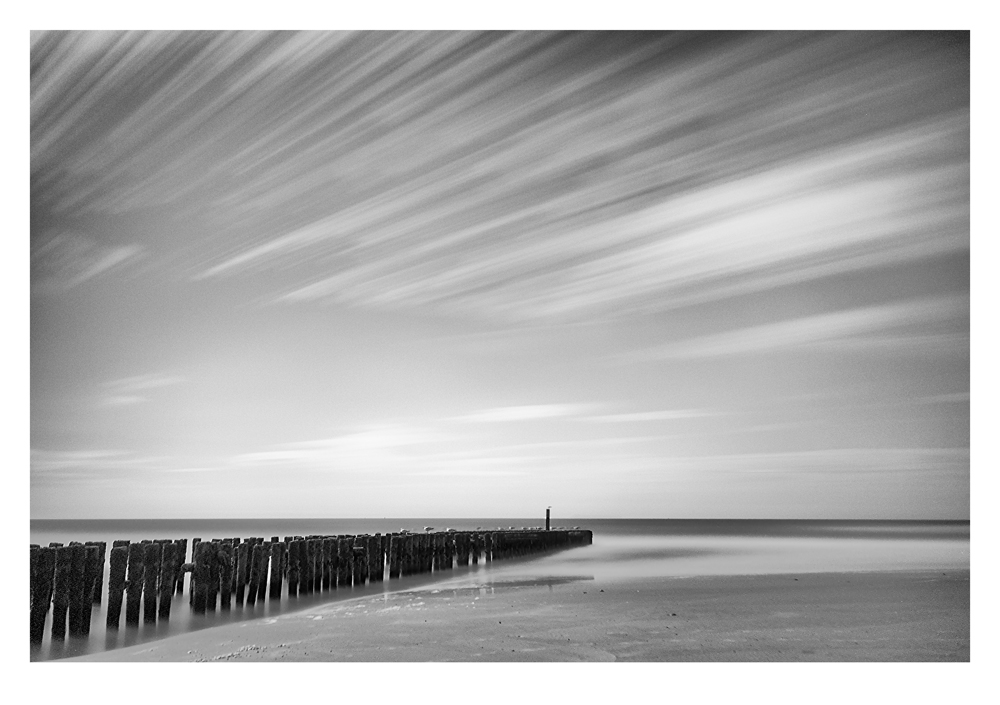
x,y
623,549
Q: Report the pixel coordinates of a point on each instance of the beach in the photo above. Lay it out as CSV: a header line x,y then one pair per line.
x,y
843,617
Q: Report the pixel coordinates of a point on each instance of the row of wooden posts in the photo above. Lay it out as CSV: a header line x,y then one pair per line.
x,y
69,579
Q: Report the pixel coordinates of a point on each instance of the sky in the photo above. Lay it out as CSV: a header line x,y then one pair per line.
x,y
478,274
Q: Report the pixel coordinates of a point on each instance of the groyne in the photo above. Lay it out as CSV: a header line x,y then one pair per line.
x,y
146,578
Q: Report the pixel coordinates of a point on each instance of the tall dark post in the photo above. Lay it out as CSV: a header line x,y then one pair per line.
x,y
277,549
116,584
43,563
152,556
77,588
226,574
547,516
134,583
60,594
168,569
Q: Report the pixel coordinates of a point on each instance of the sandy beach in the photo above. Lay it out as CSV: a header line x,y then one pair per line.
x,y
843,617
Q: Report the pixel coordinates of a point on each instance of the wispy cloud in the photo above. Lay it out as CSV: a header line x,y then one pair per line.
x,y
861,327
524,413
828,461
369,447
128,391
527,180
66,260
662,415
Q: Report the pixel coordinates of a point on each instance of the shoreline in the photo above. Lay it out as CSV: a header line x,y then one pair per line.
x,y
845,616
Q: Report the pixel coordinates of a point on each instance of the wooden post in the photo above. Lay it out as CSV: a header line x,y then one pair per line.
x,y
61,591
152,555
368,543
116,584
311,565
305,576
380,557
347,560
464,554
437,562
214,576
43,565
254,575
77,558
134,583
226,574
242,558
99,586
393,556
334,562
360,572
91,572
200,576
168,568
265,553
294,547
328,578
277,551
194,559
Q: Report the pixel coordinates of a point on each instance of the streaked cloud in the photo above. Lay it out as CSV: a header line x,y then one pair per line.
x,y
662,415
524,413
129,391
860,327
66,260
522,177
834,460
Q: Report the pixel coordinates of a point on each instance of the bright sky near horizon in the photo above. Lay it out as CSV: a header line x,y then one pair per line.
x,y
462,274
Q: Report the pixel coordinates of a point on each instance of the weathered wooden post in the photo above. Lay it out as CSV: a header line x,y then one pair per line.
x,y
358,554
168,568
181,560
225,558
116,584
61,591
194,559
99,586
305,575
200,577
43,565
311,564
463,555
214,575
265,554
151,557
134,583
92,569
277,551
345,555
294,547
369,544
393,556
254,575
76,588
242,561
326,550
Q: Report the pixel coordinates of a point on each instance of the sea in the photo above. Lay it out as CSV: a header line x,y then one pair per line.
x,y
623,549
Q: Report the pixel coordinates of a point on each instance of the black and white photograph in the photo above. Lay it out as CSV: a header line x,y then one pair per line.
x,y
499,345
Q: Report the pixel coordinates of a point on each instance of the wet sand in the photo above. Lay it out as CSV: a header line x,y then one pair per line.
x,y
845,617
